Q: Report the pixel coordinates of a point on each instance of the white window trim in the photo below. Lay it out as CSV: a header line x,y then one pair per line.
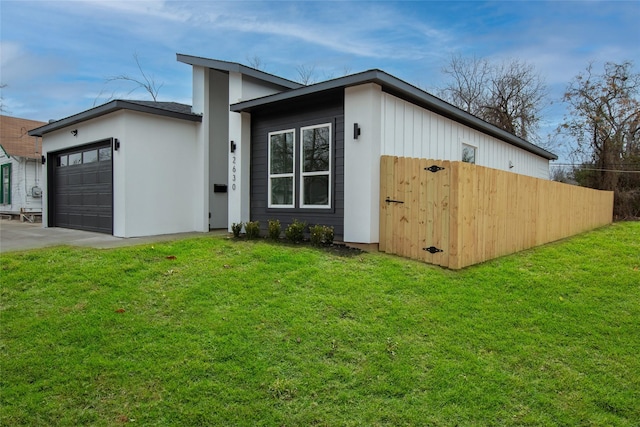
x,y
475,152
282,175
321,173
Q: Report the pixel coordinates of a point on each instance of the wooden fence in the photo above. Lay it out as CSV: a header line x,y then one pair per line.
x,y
456,214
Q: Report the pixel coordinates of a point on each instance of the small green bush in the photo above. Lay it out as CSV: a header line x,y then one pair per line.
x,y
236,228
328,235
295,231
274,229
252,228
321,235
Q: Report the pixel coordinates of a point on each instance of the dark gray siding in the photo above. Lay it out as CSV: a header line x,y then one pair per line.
x,y
326,108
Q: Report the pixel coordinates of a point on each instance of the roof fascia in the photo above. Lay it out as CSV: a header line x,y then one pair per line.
x,y
5,152
351,80
107,108
234,67
404,90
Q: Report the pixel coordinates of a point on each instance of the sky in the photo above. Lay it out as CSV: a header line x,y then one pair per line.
x,y
57,57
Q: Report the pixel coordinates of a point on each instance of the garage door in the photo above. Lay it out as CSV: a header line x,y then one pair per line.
x,y
83,188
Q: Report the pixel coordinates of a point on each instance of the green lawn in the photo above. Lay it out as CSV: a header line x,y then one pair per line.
x,y
256,333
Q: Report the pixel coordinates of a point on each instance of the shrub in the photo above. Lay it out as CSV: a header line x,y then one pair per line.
x,y
252,228
236,228
295,231
321,235
328,235
274,229
626,204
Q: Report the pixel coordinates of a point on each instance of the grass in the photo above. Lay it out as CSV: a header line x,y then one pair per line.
x,y
210,331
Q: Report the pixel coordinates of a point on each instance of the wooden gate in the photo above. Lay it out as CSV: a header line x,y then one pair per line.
x,y
456,214
414,209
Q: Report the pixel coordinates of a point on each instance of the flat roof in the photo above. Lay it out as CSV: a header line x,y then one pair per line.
x,y
166,109
235,67
403,90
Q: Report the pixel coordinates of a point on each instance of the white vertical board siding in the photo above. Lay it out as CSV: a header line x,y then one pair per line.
x,y
412,131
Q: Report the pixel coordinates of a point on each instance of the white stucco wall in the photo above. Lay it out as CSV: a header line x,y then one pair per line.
x,y
161,181
155,184
89,131
201,106
25,175
362,105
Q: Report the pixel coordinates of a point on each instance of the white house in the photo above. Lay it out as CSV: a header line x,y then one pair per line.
x,y
255,147
20,171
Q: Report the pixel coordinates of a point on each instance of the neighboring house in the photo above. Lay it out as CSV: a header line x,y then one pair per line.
x,y
255,146
20,169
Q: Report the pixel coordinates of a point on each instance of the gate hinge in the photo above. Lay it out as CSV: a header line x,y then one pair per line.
x,y
432,249
434,168
388,200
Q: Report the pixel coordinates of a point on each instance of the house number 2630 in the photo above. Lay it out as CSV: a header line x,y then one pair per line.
x,y
233,169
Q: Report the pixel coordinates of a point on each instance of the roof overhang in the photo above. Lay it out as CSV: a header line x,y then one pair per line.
x,y
403,90
116,105
234,67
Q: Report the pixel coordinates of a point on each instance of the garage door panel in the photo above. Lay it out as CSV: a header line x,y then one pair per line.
x,y
83,189
75,178
104,177
90,199
90,178
75,200
104,199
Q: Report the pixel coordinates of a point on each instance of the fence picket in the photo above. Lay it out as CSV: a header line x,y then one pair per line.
x,y
473,213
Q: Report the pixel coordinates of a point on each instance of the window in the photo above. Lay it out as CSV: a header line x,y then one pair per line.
x,y
63,161
315,174
468,153
281,169
90,156
104,154
75,159
5,189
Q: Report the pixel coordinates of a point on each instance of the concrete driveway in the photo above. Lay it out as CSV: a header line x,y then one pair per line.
x,y
16,236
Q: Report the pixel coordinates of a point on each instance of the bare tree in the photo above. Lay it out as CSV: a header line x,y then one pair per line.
x,y
517,97
146,82
3,107
469,82
256,62
604,120
510,95
306,74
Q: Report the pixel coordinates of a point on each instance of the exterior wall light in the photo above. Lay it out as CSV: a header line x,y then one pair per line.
x,y
74,132
116,144
356,131
232,146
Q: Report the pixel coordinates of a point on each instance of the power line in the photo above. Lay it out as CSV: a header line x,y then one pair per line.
x,y
609,170
587,164
583,168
